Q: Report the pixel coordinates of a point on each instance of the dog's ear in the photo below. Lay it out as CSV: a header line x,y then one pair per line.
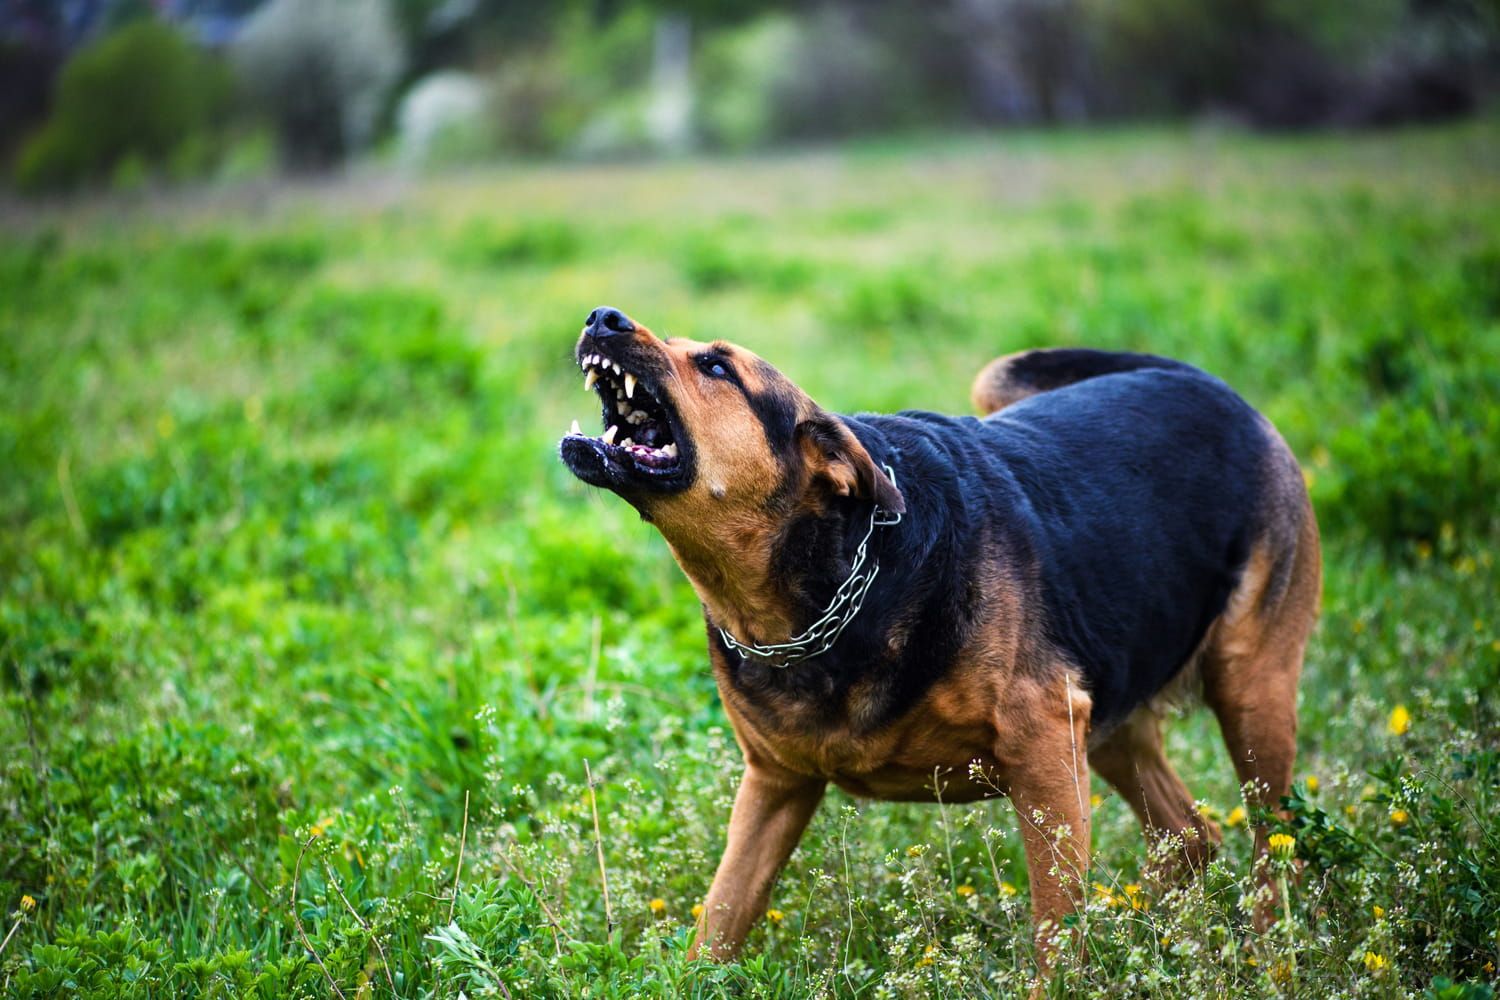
x,y
839,461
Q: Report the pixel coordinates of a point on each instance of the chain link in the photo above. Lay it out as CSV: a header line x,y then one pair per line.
x,y
820,636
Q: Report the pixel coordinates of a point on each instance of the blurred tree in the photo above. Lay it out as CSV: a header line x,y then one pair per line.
x,y
1026,59
322,70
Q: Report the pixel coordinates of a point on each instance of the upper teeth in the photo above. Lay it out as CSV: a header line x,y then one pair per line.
x,y
594,365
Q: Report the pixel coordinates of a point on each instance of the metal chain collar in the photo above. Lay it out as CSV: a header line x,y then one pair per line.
x,y
847,600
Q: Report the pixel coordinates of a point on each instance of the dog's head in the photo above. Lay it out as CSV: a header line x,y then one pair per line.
x,y
696,433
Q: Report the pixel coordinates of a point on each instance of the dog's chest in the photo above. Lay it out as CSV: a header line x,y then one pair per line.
x,y
943,748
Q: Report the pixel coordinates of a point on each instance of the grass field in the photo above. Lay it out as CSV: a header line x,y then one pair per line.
x,y
307,640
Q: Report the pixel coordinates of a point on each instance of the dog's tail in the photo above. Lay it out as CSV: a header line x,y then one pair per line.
x,y
1012,378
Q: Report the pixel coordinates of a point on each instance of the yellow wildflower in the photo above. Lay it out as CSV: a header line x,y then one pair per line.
x,y
1281,973
1106,895
916,850
965,890
927,954
1400,721
1312,784
1375,962
1096,800
1399,817
1135,896
658,906
1378,910
775,916
1283,846
28,903
1236,816
697,910
1006,889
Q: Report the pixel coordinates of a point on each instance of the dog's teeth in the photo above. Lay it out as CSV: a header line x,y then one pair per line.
x,y
626,443
575,429
624,408
608,437
669,450
629,384
615,366
590,379
636,417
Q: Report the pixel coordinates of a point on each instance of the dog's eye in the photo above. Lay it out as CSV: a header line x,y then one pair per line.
x,y
713,367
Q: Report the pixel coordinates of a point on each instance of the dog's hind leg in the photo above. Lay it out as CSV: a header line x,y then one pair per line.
x,y
1251,666
1131,758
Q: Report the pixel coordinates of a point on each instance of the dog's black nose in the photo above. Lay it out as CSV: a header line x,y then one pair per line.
x,y
606,322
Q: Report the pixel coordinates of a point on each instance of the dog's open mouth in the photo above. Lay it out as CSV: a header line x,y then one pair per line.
x,y
640,440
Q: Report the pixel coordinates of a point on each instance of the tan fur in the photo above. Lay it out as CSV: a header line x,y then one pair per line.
x,y
993,388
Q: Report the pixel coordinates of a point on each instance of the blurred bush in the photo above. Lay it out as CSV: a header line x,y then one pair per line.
x,y
322,71
139,97
1416,469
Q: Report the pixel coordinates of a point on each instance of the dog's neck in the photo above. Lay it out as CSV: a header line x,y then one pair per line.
x,y
763,577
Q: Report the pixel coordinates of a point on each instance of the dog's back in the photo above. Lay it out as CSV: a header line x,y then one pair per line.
x,y
1143,485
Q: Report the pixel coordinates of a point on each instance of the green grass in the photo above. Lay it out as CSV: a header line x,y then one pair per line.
x,y
290,574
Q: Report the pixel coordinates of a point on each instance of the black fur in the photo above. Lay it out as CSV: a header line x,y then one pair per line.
x,y
1123,506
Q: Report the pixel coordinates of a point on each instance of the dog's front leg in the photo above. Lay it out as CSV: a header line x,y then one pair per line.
x,y
771,810
1049,786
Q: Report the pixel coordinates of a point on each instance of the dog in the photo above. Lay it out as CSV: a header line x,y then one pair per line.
x,y
919,607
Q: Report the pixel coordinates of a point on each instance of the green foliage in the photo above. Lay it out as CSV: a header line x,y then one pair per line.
x,y
140,96
305,631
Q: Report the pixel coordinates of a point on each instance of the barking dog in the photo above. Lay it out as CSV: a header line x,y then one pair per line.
x,y
920,606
